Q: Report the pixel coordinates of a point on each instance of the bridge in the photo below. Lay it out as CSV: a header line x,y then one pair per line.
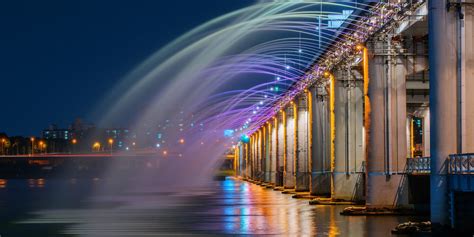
x,y
379,114
74,166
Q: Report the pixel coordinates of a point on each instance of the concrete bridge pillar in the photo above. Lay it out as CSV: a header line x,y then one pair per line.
x,y
246,170
237,159
289,163
385,128
273,126
302,144
242,162
451,60
253,156
320,157
260,155
281,147
348,176
467,77
443,98
266,152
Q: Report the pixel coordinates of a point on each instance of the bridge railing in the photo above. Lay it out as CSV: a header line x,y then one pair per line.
x,y
461,164
418,165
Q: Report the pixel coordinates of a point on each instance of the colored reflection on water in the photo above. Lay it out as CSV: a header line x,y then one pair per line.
x,y
3,183
229,207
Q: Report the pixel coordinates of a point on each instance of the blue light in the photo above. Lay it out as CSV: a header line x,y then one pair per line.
x,y
228,133
245,138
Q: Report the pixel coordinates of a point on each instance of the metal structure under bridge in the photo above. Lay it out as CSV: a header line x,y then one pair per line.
x,y
392,126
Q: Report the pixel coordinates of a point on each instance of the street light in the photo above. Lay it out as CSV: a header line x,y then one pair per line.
x,y
111,143
3,145
32,139
96,146
74,142
41,146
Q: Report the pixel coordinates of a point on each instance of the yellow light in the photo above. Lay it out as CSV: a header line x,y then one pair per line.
x,y
111,141
41,143
359,47
327,74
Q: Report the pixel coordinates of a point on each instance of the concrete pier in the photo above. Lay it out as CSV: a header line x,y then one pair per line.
x,y
281,147
302,145
290,136
386,155
451,72
320,158
348,173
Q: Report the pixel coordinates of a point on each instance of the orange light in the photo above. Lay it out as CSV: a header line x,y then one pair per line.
x,y
111,141
181,141
327,74
165,152
359,47
32,139
74,141
96,145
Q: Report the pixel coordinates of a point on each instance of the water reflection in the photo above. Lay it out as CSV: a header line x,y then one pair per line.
x,y
36,183
3,183
223,208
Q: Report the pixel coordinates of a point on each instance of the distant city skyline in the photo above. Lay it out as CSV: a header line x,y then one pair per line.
x,y
59,59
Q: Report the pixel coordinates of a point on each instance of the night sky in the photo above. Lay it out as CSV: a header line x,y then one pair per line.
x,y
59,58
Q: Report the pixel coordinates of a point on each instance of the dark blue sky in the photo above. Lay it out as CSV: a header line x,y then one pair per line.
x,y
58,58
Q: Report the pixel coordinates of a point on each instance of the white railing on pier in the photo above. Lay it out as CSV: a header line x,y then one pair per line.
x,y
419,165
461,164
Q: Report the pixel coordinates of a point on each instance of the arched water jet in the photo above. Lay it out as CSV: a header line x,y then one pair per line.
x,y
257,43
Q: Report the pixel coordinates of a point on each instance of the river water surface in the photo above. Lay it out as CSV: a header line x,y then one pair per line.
x,y
232,207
